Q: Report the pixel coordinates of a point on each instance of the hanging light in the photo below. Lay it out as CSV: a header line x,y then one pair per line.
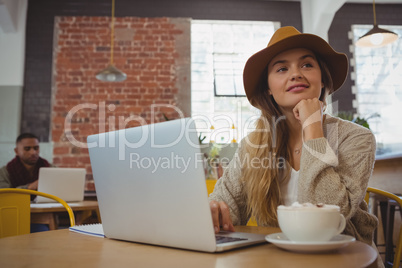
x,y
376,37
111,73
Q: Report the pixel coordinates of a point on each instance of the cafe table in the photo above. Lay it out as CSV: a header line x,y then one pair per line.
x,y
63,248
45,213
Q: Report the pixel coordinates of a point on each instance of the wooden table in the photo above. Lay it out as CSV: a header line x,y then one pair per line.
x,y
44,213
63,248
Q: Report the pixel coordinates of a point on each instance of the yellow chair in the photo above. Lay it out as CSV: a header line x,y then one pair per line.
x,y
398,200
15,210
210,189
210,185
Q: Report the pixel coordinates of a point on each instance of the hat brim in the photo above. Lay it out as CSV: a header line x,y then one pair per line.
x,y
337,62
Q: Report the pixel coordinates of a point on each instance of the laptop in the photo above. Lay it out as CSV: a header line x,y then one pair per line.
x,y
151,189
65,183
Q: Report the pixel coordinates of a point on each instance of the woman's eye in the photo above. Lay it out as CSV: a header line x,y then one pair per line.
x,y
282,69
308,65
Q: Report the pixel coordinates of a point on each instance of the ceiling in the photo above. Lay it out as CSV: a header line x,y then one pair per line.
x,y
354,1
12,10
317,15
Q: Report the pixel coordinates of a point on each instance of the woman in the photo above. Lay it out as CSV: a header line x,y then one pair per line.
x,y
296,153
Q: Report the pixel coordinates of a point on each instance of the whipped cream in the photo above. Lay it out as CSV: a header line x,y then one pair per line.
x,y
297,205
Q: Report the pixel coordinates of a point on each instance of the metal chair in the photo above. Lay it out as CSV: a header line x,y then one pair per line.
x,y
15,210
388,226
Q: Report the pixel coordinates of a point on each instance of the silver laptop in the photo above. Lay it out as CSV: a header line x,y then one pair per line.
x,y
150,185
65,183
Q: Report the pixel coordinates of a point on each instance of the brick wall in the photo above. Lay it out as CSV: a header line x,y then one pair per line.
x,y
36,113
40,27
151,51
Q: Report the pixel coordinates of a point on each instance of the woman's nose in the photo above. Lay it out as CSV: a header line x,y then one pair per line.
x,y
296,74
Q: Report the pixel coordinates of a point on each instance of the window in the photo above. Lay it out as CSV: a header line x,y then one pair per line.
x,y
378,76
219,50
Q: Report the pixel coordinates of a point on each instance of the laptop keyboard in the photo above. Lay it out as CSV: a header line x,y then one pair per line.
x,y
225,239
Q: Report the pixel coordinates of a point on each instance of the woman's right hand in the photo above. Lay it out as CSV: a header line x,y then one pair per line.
x,y
221,216
310,114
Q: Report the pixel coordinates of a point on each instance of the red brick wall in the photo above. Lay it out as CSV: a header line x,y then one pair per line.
x,y
149,50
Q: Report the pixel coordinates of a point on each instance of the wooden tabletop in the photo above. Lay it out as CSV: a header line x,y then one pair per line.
x,y
62,248
57,207
44,213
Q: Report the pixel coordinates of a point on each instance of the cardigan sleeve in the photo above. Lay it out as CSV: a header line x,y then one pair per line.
x,y
336,170
230,190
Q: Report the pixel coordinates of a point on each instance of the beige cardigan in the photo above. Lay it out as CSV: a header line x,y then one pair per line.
x,y
336,176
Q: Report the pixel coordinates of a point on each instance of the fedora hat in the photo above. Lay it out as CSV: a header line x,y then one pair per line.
x,y
288,38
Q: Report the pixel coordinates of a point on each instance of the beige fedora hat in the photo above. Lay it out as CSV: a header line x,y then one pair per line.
x,y
287,38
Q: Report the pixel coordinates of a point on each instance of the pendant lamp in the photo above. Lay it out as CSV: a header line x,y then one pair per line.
x,y
111,73
376,37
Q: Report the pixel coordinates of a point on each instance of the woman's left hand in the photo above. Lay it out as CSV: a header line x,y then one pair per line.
x,y
309,112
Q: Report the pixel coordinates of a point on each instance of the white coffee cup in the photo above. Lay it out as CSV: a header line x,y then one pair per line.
x,y
310,223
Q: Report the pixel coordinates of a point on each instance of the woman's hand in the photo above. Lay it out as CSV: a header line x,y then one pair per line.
x,y
221,216
309,112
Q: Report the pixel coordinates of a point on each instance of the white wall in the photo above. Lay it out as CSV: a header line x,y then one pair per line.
x,y
12,57
12,42
10,114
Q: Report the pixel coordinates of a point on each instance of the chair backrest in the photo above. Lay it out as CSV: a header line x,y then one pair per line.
x,y
398,250
15,210
210,185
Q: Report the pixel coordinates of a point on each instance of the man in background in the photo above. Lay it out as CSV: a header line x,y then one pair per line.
x,y
23,170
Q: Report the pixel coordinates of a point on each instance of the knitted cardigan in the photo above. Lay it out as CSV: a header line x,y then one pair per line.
x,y
334,170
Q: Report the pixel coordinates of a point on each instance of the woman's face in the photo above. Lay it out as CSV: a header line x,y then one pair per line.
x,y
294,75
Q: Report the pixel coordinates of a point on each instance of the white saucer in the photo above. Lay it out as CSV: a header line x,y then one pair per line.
x,y
280,240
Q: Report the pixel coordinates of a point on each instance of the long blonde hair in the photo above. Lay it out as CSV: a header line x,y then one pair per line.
x,y
268,144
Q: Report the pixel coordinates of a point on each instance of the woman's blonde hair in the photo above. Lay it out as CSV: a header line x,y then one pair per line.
x,y
268,145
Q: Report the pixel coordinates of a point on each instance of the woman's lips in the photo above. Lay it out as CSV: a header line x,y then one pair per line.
x,y
298,87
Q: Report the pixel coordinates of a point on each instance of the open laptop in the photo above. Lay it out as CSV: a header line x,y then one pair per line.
x,y
150,185
65,183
